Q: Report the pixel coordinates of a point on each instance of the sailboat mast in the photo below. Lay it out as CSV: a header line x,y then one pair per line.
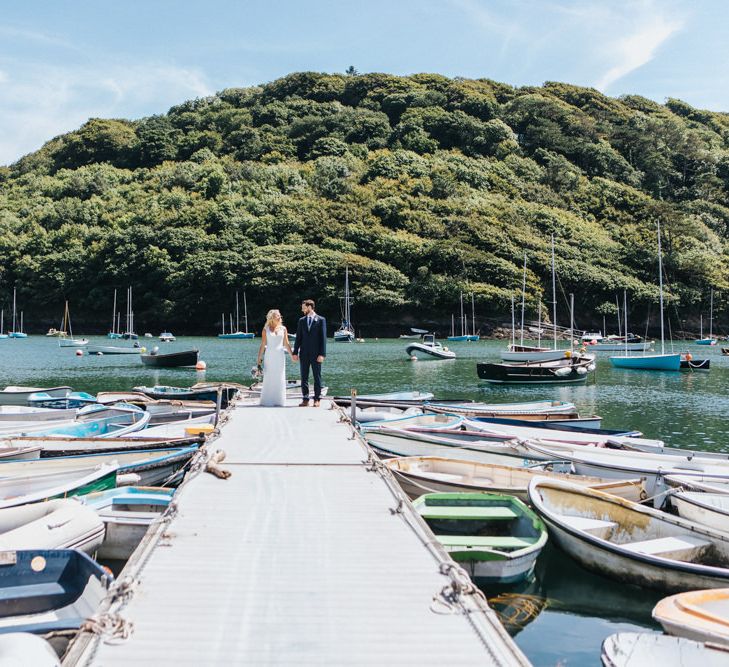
x,y
554,298
617,305
14,291
113,315
711,315
237,318
21,321
453,325
523,299
572,321
539,324
513,324
2,321
463,325
222,318
473,314
660,286
625,314
245,310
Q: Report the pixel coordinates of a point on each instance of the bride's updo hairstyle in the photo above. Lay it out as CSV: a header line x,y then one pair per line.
x,y
271,320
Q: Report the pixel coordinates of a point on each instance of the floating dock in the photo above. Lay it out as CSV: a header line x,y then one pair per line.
x,y
307,554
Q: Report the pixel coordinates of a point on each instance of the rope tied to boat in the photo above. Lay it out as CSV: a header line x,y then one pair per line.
x,y
111,628
449,598
123,590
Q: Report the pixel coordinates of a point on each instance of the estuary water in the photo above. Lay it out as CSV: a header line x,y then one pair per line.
x,y
564,614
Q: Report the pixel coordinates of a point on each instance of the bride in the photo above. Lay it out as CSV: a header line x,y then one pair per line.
x,y
275,341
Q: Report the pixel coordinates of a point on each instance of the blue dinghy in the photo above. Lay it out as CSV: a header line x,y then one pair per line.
x,y
48,590
649,362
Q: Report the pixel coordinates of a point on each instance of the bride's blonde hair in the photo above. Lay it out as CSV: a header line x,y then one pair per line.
x,y
271,318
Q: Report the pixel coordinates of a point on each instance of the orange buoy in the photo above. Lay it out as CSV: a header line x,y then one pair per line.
x,y
79,353
200,366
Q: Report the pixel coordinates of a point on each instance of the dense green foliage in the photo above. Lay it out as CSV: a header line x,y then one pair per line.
x,y
423,185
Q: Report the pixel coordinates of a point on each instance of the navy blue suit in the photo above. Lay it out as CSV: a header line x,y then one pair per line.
x,y
311,342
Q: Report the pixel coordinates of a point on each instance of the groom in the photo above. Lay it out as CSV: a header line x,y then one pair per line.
x,y
310,349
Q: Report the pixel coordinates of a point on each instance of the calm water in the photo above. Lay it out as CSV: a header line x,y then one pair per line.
x,y
563,616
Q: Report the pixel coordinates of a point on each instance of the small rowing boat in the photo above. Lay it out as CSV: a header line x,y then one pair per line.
x,y
630,542
699,615
495,537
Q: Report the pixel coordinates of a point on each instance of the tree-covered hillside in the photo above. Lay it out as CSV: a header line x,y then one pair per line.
x,y
423,185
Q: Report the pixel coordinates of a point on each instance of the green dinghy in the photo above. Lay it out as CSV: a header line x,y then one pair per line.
x,y
495,537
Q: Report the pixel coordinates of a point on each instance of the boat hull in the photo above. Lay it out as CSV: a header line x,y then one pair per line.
x,y
428,352
649,362
240,335
529,374
112,349
172,360
698,615
541,355
596,552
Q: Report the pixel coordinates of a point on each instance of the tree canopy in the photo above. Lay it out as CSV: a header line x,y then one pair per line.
x,y
423,185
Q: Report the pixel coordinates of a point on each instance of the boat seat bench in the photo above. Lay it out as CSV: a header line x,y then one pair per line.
x,y
596,527
487,541
465,512
677,547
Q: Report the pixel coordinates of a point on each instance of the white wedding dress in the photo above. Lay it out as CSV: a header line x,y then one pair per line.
x,y
274,370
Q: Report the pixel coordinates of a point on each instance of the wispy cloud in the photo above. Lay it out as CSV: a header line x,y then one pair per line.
x,y
38,102
639,46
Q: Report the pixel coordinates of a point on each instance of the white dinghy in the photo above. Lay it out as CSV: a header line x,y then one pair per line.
x,y
630,542
429,348
638,649
54,524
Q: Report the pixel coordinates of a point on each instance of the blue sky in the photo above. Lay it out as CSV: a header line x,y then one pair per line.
x,y
64,62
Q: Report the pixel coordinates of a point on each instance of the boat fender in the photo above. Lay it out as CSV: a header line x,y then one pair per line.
x,y
568,354
591,367
413,358
79,353
688,356
200,366
128,479
581,370
561,372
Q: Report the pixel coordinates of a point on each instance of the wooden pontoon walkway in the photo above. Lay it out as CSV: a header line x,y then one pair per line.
x,y
307,555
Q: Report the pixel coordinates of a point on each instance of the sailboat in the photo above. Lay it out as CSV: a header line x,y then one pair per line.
x,y
115,333
345,333
710,340
130,334
464,336
2,324
70,342
238,334
532,353
651,362
16,333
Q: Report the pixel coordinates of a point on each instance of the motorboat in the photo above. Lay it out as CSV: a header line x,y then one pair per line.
x,y
429,348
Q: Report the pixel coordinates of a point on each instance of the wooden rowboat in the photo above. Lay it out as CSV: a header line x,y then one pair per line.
x,y
699,615
629,542
49,590
432,474
706,509
496,538
637,649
